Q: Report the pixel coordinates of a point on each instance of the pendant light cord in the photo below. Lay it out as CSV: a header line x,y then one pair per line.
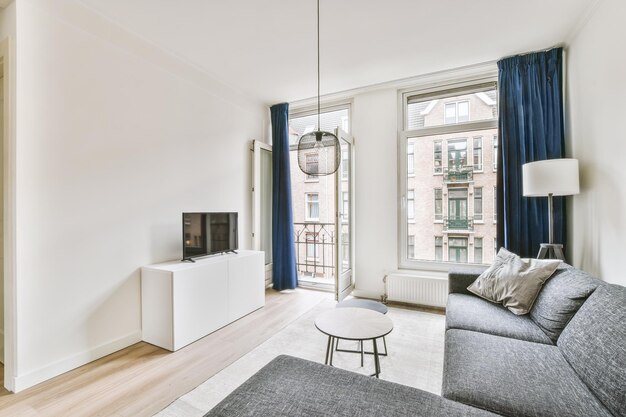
x,y
319,127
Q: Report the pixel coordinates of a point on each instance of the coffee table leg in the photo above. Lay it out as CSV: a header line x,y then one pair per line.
x,y
331,351
376,360
362,354
328,347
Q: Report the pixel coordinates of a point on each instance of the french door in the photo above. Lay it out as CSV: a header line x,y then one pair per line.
x,y
262,204
344,220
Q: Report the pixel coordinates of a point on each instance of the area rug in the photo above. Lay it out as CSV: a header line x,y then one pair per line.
x,y
415,357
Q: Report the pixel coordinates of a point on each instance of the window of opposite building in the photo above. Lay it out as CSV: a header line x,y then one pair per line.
x,y
478,204
312,207
446,125
478,153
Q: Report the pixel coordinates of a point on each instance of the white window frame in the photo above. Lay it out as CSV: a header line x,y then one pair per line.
x,y
482,205
495,204
494,148
311,178
440,219
411,202
307,209
433,90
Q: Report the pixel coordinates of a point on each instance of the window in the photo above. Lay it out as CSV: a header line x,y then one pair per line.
x,y
345,206
411,247
495,247
410,162
437,157
478,250
456,112
495,204
449,125
478,204
311,246
495,152
457,154
457,249
312,207
478,153
438,205
410,203
312,165
438,248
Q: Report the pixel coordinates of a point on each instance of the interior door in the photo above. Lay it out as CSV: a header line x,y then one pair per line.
x,y
262,204
344,219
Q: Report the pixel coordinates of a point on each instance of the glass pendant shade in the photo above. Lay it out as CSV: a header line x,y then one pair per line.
x,y
319,153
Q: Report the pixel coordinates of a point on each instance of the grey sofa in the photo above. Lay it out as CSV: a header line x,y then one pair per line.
x,y
566,358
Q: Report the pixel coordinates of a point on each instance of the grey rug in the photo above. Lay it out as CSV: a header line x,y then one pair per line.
x,y
415,357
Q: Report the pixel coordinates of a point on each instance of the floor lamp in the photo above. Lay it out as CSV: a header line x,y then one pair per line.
x,y
549,178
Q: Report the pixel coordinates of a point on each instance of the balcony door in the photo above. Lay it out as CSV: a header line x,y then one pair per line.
x,y
262,204
457,206
344,221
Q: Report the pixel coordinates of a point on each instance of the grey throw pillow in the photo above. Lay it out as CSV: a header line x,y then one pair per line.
x,y
513,282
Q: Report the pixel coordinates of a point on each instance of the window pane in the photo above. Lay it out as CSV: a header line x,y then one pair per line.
x,y
410,163
411,247
478,203
463,111
442,205
461,108
439,248
478,154
437,157
438,204
450,113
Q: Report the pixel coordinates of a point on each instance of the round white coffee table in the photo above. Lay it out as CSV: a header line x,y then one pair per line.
x,y
353,324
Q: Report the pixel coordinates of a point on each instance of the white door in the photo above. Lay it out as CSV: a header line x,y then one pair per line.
x,y
262,204
344,220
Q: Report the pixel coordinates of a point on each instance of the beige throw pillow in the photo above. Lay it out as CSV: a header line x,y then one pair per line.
x,y
513,282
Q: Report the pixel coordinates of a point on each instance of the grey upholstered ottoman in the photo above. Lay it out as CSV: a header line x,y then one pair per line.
x,y
292,387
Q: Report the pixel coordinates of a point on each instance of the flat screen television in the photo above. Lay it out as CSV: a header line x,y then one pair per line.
x,y
208,233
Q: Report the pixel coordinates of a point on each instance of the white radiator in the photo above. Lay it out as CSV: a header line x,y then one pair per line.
x,y
416,290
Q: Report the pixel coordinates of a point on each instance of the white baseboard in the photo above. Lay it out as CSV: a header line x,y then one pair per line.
x,y
57,368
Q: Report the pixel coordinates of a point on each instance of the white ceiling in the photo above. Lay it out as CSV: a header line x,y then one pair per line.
x,y
266,49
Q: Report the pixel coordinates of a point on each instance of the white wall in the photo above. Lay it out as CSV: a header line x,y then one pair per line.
x,y
115,139
375,127
596,91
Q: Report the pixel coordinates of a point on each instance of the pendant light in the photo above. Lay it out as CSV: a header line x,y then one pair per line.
x,y
319,152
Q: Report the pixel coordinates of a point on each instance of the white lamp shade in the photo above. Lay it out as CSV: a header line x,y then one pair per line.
x,y
552,176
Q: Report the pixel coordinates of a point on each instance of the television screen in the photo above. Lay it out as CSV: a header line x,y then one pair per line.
x,y
208,233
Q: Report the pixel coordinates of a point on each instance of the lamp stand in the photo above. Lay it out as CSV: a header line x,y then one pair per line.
x,y
551,250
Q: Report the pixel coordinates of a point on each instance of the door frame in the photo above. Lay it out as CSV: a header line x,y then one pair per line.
x,y
7,61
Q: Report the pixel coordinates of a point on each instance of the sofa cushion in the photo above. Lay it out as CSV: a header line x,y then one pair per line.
x,y
293,387
514,377
468,312
561,297
594,343
513,281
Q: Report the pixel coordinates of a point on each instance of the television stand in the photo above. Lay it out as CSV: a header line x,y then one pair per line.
x,y
188,260
182,302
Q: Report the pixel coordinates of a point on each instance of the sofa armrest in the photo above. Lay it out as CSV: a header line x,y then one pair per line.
x,y
460,277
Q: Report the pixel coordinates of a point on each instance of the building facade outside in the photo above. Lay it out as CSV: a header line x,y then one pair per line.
x,y
451,182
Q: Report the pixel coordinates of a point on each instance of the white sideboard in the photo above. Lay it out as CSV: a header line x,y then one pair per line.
x,y
182,302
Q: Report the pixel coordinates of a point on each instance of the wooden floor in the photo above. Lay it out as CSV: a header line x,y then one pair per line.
x,y
143,379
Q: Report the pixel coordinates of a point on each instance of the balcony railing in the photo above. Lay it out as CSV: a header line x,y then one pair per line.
x,y
315,249
458,174
458,224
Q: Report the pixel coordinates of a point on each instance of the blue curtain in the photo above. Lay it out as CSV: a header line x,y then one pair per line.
x,y
283,247
530,129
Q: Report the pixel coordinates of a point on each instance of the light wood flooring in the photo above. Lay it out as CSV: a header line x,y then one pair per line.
x,y
143,379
